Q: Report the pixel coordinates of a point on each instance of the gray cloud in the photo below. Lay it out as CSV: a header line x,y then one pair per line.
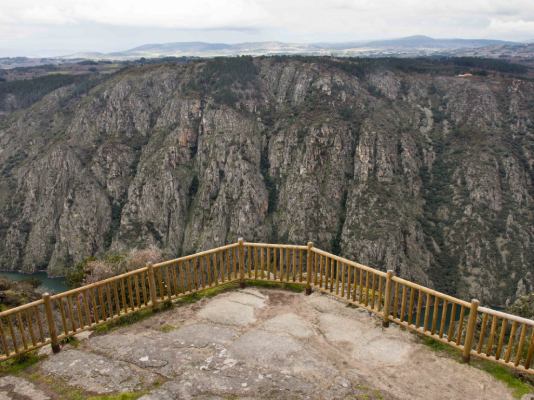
x,y
30,26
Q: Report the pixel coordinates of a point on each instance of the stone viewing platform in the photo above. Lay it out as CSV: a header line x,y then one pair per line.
x,y
250,343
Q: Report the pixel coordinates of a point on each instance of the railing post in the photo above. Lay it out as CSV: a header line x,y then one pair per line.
x,y
470,333
240,241
308,269
387,297
51,322
152,286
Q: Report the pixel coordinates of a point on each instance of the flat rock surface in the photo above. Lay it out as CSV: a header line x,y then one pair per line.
x,y
259,343
12,387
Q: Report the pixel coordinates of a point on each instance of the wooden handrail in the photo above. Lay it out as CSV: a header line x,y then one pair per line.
x,y
503,338
503,315
432,292
348,262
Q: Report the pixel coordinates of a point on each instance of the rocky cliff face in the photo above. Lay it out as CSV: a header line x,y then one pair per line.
x,y
425,173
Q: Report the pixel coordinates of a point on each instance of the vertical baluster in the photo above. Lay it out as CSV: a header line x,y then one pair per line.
x,y
51,323
253,257
511,340
39,326
332,274
315,266
349,280
367,288
181,276
30,327
214,268
427,312
270,265
168,284
337,276
470,331
443,317
275,264
493,329
154,301
113,297
63,318
288,264
403,303
227,267
530,351
174,273
248,256
144,280
522,336
435,315
395,299
21,330
137,291
109,299
12,332
419,306
482,333
410,307
221,266
452,323
360,297
373,290
342,278
201,274
79,309
326,272
123,296
380,287
3,339
253,263
216,257
281,264
355,283
294,264
262,262
234,259
71,314
460,325
196,273
189,275
301,261
86,308
130,292
101,303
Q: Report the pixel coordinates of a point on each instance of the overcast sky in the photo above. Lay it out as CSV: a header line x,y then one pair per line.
x,y
57,27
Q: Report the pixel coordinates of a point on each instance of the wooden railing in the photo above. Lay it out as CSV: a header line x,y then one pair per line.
x,y
479,331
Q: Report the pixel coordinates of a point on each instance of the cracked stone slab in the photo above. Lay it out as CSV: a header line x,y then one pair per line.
x,y
237,308
162,353
15,388
202,335
96,373
268,344
259,346
368,343
247,383
291,324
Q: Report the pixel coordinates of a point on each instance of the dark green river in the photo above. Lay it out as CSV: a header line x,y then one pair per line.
x,y
51,285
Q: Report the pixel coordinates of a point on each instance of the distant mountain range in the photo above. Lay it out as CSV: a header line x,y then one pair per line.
x,y
412,46
408,46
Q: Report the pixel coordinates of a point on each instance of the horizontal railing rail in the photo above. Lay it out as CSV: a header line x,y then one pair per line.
x,y
476,331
